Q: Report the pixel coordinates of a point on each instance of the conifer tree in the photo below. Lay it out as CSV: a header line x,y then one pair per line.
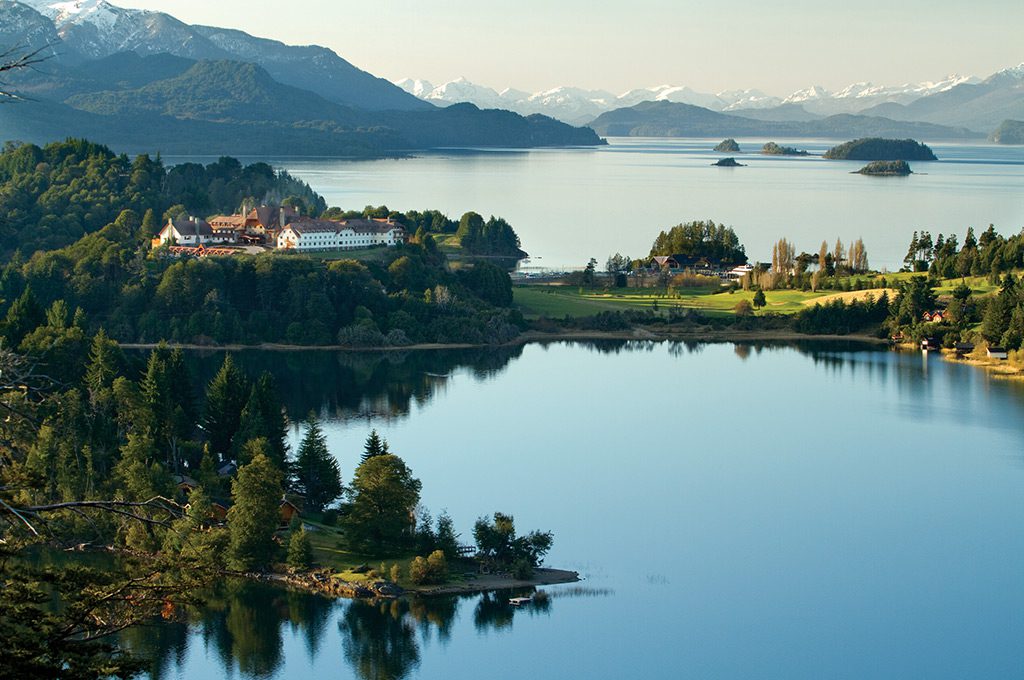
x,y
24,315
316,471
263,416
253,518
375,446
225,398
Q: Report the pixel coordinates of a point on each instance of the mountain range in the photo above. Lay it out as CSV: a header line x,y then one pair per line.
x,y
955,100
671,119
143,80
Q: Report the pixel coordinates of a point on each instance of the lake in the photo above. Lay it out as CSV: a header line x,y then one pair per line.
x,y
736,511
568,205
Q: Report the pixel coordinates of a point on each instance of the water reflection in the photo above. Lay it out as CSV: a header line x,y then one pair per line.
x,y
348,386
244,626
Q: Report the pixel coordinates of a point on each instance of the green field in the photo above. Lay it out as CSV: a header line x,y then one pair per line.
x,y
557,301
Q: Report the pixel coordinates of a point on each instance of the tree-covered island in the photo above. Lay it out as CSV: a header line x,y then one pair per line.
x,y
773,149
727,146
886,169
877,149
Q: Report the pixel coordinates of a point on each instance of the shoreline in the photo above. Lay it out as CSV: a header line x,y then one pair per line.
x,y
339,589
529,337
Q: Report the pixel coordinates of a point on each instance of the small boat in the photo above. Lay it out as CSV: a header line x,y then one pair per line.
x,y
519,601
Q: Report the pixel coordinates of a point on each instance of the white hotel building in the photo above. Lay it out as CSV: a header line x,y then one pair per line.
x,y
321,235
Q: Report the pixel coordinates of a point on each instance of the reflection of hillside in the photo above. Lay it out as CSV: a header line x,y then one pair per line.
x,y
344,385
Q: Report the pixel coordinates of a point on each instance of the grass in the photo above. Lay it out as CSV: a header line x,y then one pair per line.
x,y
558,301
329,551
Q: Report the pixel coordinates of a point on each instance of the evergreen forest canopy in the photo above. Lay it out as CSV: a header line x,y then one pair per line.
x,y
54,195
877,149
701,239
773,149
99,211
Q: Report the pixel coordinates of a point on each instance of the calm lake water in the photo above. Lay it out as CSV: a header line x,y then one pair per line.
x,y
736,511
571,204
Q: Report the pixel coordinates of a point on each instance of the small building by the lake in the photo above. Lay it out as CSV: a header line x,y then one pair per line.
x,y
997,353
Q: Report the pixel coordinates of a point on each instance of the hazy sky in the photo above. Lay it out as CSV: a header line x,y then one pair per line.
x,y
709,45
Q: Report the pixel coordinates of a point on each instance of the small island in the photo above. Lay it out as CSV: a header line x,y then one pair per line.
x,y
728,146
877,149
1008,132
728,163
886,169
773,149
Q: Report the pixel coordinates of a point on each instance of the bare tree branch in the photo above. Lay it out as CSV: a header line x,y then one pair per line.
x,y
15,59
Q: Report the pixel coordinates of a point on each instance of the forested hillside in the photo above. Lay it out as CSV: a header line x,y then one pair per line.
x,y
78,240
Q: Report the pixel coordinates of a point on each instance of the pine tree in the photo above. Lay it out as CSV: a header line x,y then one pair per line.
x,y
225,398
254,516
375,446
263,416
24,315
105,363
316,470
447,539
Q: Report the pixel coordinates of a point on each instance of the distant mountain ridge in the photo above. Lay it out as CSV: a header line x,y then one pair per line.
x,y
667,119
579,106
144,81
956,100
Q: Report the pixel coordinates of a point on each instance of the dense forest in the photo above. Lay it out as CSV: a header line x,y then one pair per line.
x,y
102,210
52,196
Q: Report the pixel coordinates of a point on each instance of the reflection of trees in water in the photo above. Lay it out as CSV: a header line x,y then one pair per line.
x,y
242,627
352,384
434,614
493,611
242,623
379,640
165,642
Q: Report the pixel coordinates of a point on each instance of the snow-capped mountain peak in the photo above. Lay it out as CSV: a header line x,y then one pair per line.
x,y
417,88
100,13
1013,72
811,93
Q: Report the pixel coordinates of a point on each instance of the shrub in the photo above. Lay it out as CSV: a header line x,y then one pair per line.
x,y
743,308
433,569
300,551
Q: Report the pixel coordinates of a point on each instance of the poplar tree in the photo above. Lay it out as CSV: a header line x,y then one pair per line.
x,y
316,470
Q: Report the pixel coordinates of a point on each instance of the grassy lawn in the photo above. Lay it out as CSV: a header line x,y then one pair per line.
x,y
557,301
329,551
